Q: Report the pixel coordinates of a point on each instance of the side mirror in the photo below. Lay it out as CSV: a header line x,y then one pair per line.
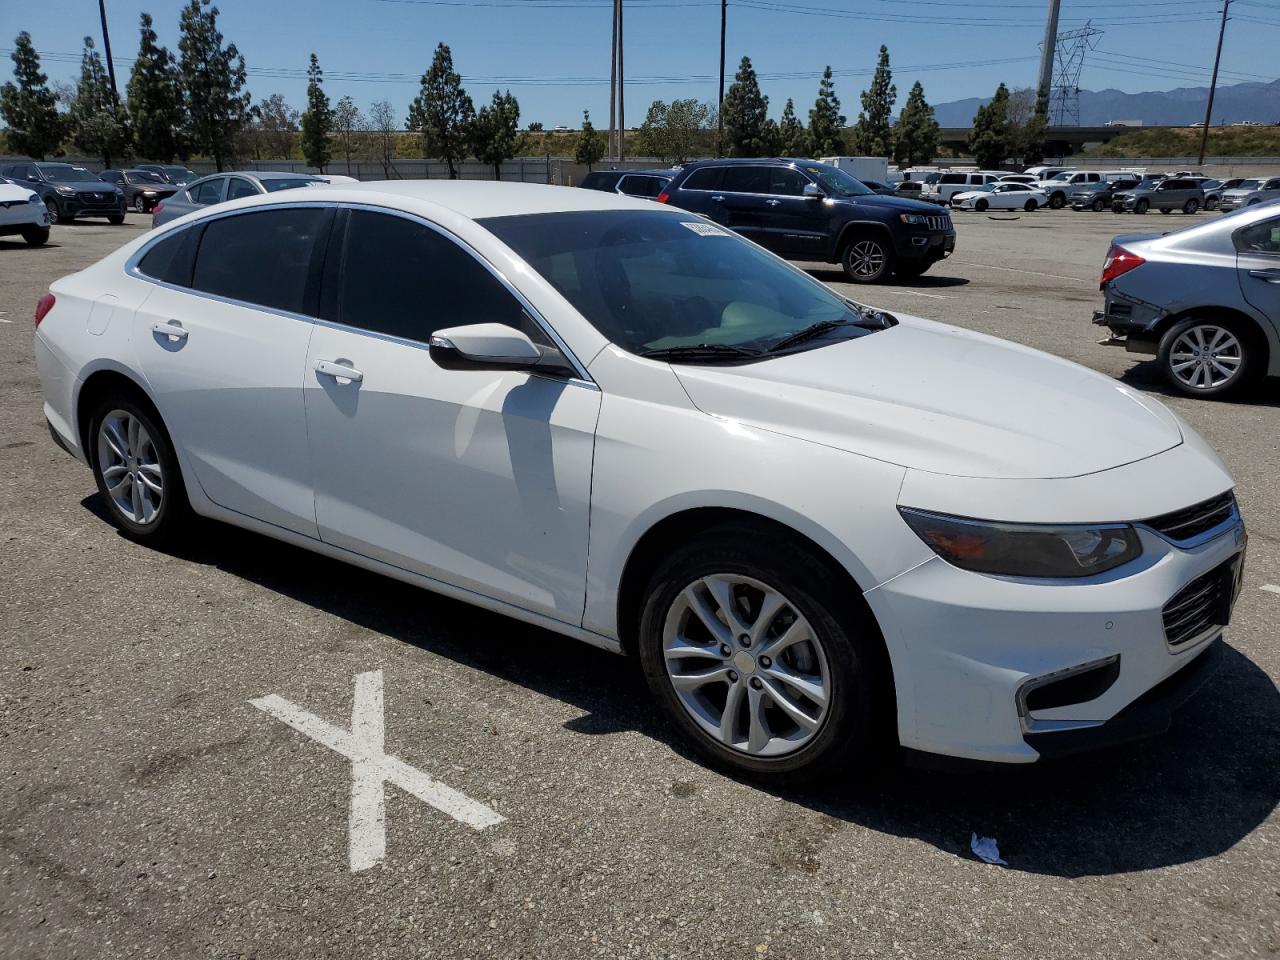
x,y
813,191
483,346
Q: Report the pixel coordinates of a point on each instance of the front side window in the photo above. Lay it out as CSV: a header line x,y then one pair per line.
x,y
404,279
262,258
835,182
208,192
785,182
658,280
1262,237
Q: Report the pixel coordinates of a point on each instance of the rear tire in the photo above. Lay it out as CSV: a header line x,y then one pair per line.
x,y
1191,206
1211,203
35,236
136,470
722,581
867,258
1207,357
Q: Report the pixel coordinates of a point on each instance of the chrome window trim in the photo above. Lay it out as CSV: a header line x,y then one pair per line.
x,y
131,268
767,166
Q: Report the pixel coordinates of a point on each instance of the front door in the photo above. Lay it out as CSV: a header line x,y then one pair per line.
x,y
798,227
477,478
225,357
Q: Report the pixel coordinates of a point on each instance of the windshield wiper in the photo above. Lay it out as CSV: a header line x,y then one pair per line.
x,y
702,351
815,330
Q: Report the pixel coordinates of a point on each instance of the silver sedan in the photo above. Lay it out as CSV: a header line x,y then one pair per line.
x,y
1205,300
221,187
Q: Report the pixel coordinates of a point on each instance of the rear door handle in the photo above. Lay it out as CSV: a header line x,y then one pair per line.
x,y
342,371
1270,276
718,199
171,329
773,203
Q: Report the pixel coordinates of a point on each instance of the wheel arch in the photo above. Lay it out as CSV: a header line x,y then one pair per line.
x,y
854,228
105,381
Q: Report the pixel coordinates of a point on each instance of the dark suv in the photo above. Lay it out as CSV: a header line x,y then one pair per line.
x,y
69,191
804,210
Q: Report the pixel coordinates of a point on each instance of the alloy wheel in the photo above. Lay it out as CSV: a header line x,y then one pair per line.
x,y
51,205
139,204
130,467
1206,356
867,258
746,665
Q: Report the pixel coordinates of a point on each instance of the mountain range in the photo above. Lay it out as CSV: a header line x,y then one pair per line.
x,y
1180,107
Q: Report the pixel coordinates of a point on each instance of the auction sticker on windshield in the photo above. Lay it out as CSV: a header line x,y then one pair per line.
x,y
704,229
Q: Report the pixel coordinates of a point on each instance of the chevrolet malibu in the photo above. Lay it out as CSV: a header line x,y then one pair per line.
x,y
820,528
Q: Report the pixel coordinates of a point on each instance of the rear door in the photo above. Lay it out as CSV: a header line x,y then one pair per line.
x,y
697,191
224,353
1258,265
743,201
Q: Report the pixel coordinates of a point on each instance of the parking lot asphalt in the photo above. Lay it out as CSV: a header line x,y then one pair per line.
x,y
149,809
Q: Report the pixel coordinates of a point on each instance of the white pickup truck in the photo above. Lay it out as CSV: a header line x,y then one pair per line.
x,y
22,213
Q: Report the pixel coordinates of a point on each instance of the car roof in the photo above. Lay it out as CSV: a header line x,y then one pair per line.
x,y
742,161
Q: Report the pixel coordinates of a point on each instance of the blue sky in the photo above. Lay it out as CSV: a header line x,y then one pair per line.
x,y
554,54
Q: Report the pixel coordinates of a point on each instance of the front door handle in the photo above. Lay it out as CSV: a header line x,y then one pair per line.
x,y
718,199
340,370
171,329
1270,276
773,203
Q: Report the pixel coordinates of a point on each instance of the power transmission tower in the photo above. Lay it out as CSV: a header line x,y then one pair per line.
x,y
1068,56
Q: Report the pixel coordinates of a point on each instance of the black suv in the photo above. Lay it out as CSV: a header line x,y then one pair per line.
x,y
804,210
69,191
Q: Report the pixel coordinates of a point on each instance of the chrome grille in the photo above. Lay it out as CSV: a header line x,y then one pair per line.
x,y
1200,605
938,223
1190,522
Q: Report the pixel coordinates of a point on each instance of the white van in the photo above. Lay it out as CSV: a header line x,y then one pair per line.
x,y
958,182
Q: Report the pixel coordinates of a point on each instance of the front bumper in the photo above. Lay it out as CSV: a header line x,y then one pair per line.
x,y
81,206
931,245
17,217
973,644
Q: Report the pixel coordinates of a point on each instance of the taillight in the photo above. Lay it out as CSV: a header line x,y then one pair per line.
x,y
663,197
43,306
1119,262
157,208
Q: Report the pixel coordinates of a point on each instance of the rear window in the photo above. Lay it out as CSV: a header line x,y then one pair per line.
x,y
646,187
261,258
275,185
599,181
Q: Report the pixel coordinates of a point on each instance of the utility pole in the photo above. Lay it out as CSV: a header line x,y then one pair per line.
x,y
613,86
106,48
1049,46
622,86
1213,85
724,6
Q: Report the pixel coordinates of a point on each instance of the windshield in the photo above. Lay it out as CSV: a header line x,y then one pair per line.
x,y
654,280
984,188
179,173
286,183
1250,185
834,181
1066,175
144,176
65,173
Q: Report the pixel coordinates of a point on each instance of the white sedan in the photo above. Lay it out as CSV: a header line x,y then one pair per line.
x,y
821,529
22,213
1003,195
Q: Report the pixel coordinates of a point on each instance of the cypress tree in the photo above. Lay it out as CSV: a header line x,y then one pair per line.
x,y
793,139
442,113
915,136
156,114
29,107
745,115
872,134
317,120
825,120
97,122
989,142
213,78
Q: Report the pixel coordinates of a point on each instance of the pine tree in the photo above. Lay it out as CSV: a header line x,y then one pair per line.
x,y
915,136
745,114
30,108
826,121
317,120
591,143
97,121
348,122
793,139
213,77
989,142
442,113
495,134
872,134
156,114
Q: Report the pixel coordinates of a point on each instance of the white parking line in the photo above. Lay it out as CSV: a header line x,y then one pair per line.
x,y
917,293
1270,588
371,768
1030,273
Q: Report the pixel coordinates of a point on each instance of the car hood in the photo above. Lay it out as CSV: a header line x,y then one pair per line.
x,y
14,194
901,204
1235,193
969,195
82,187
938,398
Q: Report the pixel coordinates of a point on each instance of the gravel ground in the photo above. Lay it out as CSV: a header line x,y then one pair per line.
x,y
147,809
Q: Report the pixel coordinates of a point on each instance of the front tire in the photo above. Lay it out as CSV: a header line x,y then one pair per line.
x,y
764,663
136,470
139,204
867,258
35,236
981,205
1030,206
1098,206
1142,206
1191,206
1057,201
1205,357
51,205
1211,203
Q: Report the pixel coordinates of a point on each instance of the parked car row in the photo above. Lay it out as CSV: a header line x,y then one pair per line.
x,y
22,213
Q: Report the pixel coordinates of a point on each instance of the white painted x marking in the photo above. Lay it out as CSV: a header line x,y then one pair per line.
x,y
371,768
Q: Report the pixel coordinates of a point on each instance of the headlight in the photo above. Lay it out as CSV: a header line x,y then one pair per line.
x,y
34,198
913,218
1023,549
65,191
148,193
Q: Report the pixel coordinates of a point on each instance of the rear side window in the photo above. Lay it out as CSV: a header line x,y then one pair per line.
x,y
238,187
404,279
705,179
172,259
952,178
261,258
208,192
